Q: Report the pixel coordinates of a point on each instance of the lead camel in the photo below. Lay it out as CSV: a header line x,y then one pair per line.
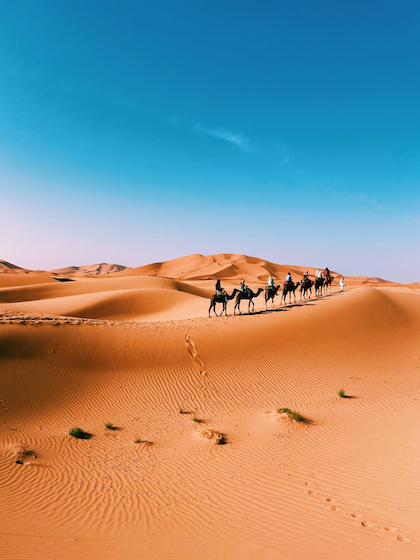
x,y
221,298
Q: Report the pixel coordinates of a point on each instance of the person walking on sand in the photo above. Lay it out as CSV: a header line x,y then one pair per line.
x,y
342,284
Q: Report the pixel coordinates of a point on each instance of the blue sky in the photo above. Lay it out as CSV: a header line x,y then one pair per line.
x,y
134,132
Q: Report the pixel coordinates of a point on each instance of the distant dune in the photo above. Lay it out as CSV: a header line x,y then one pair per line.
x,y
223,266
6,267
88,270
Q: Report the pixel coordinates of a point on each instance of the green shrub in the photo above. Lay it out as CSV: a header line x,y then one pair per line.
x,y
295,416
79,433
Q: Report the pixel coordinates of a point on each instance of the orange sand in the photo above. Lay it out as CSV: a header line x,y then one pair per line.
x,y
132,347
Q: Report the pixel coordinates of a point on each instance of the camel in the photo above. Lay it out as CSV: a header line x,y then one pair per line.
x,y
270,293
219,298
327,282
305,286
249,295
319,282
288,288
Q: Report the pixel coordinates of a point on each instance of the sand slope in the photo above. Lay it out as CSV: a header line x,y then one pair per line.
x,y
345,486
132,348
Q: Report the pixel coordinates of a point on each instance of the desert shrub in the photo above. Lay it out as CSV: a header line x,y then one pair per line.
x,y
295,416
79,433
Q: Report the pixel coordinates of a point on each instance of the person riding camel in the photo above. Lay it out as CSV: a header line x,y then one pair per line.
x,y
289,278
244,287
327,273
305,277
219,290
318,273
270,282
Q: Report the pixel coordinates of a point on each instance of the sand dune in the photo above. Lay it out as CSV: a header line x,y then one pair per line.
x,y
224,266
134,348
88,270
9,267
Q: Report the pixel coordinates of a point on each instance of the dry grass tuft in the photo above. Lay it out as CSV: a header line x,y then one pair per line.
x,y
23,453
214,435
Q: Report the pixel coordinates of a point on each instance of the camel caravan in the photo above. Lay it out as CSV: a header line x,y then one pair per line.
x,y
321,285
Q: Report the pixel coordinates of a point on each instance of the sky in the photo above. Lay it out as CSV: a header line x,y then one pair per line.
x,y
134,132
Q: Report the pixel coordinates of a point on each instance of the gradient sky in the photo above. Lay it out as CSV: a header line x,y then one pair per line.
x,y
134,131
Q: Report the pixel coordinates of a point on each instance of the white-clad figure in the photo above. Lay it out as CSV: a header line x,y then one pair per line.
x,y
318,273
270,282
342,284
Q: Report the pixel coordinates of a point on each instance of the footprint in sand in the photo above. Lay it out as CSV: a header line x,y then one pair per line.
x,y
403,539
365,523
192,350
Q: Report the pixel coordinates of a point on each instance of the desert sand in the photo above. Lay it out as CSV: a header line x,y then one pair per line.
x,y
87,345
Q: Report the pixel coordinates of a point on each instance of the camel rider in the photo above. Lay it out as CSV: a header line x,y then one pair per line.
x,y
289,278
318,273
244,288
270,282
305,277
219,290
327,273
